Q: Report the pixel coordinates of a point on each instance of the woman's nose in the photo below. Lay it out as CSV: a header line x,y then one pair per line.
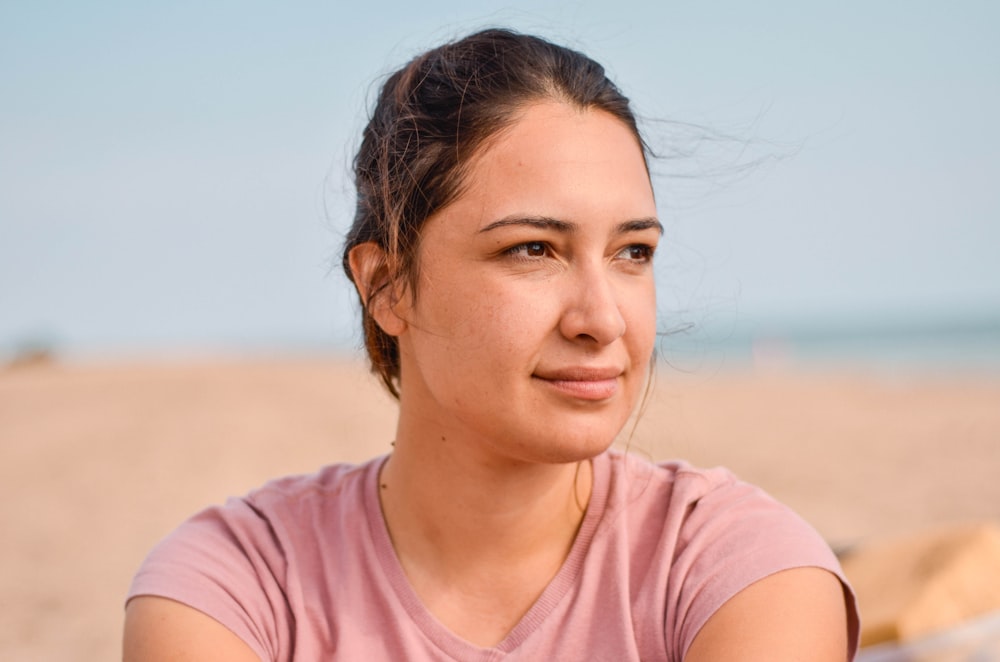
x,y
591,311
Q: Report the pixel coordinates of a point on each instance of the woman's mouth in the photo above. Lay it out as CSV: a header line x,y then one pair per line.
x,y
583,383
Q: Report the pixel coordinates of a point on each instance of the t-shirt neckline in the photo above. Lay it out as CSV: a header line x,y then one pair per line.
x,y
564,580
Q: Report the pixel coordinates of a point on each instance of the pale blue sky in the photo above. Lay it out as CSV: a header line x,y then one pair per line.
x,y
172,175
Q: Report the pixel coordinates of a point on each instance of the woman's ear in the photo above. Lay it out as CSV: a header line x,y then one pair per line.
x,y
377,286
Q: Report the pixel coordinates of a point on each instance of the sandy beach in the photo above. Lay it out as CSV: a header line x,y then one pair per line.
x,y
99,460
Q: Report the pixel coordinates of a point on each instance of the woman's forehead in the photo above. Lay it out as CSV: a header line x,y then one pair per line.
x,y
538,127
561,162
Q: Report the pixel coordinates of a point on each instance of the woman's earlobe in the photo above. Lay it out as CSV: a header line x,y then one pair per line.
x,y
377,286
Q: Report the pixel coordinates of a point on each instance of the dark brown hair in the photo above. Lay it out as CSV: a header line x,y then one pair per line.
x,y
430,118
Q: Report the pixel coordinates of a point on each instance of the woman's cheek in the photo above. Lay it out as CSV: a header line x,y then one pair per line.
x,y
640,319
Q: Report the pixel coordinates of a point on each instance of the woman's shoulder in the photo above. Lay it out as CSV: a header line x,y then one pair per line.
x,y
329,486
702,535
285,514
699,504
243,562
641,479
275,515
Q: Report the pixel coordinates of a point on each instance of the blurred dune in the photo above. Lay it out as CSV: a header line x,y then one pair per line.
x,y
100,460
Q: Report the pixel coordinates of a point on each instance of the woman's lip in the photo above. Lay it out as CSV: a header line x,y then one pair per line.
x,y
579,374
593,389
584,383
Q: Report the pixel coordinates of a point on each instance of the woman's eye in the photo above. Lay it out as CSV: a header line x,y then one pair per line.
x,y
637,253
529,249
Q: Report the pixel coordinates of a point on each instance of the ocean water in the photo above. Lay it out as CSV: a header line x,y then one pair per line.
x,y
947,346
688,343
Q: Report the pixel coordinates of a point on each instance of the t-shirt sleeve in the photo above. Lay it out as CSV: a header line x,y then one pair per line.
x,y
732,535
227,563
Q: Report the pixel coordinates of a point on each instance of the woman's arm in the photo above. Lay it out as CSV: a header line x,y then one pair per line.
x,y
794,615
162,630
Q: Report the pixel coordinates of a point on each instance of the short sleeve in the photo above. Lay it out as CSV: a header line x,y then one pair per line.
x,y
733,534
227,563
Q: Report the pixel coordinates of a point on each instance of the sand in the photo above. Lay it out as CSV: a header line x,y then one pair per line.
x,y
100,460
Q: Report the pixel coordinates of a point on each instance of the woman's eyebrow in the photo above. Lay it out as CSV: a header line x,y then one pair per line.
x,y
638,225
547,223
540,222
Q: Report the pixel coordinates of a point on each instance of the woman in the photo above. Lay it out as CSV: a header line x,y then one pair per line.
x,y
502,253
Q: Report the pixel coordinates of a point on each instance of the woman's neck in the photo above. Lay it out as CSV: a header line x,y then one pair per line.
x,y
479,538
455,499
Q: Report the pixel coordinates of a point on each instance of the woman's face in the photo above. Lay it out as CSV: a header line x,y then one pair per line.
x,y
534,318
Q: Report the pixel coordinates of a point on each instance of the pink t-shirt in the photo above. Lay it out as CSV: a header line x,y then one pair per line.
x,y
303,568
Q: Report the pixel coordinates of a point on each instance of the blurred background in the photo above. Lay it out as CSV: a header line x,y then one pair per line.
x,y
175,327
174,177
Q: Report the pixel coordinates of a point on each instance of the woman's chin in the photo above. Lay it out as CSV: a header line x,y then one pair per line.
x,y
563,448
